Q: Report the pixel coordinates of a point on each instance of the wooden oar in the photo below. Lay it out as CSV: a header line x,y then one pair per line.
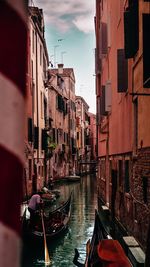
x,y
47,258
88,247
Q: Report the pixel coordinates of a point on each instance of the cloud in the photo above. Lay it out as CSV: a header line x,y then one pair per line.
x,y
66,14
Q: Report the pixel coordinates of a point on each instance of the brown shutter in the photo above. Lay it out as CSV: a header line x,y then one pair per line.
x,y
108,96
44,139
131,29
36,137
98,109
54,135
97,62
104,38
146,51
30,134
122,71
102,103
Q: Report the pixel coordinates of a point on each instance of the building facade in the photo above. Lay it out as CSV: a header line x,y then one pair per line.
x,y
92,134
83,134
35,175
122,92
61,102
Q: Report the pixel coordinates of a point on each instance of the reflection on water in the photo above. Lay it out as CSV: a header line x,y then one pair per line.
x,y
80,228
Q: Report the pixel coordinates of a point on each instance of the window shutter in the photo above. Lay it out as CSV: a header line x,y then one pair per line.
x,y
59,102
67,138
98,109
122,71
102,102
66,111
36,137
30,135
57,137
63,105
131,29
146,51
108,96
98,62
44,139
103,37
54,136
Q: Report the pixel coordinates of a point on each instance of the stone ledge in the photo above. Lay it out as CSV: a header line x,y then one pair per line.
x,y
130,241
136,256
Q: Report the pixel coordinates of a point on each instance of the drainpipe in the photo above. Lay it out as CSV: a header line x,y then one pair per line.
x,y
37,97
69,134
107,164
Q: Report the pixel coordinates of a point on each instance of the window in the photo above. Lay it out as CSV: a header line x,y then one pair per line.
x,y
108,101
36,137
122,71
98,62
103,39
131,29
54,137
146,52
30,137
60,105
44,139
57,136
67,138
103,111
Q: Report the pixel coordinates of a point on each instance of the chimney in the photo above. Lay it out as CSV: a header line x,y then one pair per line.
x,y
60,68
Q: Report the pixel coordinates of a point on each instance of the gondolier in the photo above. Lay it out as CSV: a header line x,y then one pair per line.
x,y
55,223
35,204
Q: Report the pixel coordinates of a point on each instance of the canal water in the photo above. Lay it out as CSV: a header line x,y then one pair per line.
x,y
84,203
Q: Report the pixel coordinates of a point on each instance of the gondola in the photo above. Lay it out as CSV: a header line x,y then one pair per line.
x,y
102,250
55,223
73,178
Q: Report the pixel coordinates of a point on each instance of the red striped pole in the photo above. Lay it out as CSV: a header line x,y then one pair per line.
x,y
13,58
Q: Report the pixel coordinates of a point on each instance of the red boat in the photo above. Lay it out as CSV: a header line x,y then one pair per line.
x,y
102,250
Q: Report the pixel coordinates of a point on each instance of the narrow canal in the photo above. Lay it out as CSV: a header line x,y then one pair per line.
x,y
84,202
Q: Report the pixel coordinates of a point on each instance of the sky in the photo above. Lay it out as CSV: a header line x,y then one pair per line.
x,y
70,38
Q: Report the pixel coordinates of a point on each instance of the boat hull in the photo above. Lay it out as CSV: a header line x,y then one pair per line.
x,y
73,178
55,224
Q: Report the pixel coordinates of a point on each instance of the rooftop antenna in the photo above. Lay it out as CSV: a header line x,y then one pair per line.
x,y
62,53
55,46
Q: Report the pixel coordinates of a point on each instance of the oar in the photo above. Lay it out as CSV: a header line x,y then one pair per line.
x,y
47,258
88,247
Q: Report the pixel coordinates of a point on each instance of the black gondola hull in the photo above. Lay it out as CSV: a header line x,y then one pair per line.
x,y
55,230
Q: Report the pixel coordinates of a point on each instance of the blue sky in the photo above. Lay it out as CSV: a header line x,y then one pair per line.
x,y
73,22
